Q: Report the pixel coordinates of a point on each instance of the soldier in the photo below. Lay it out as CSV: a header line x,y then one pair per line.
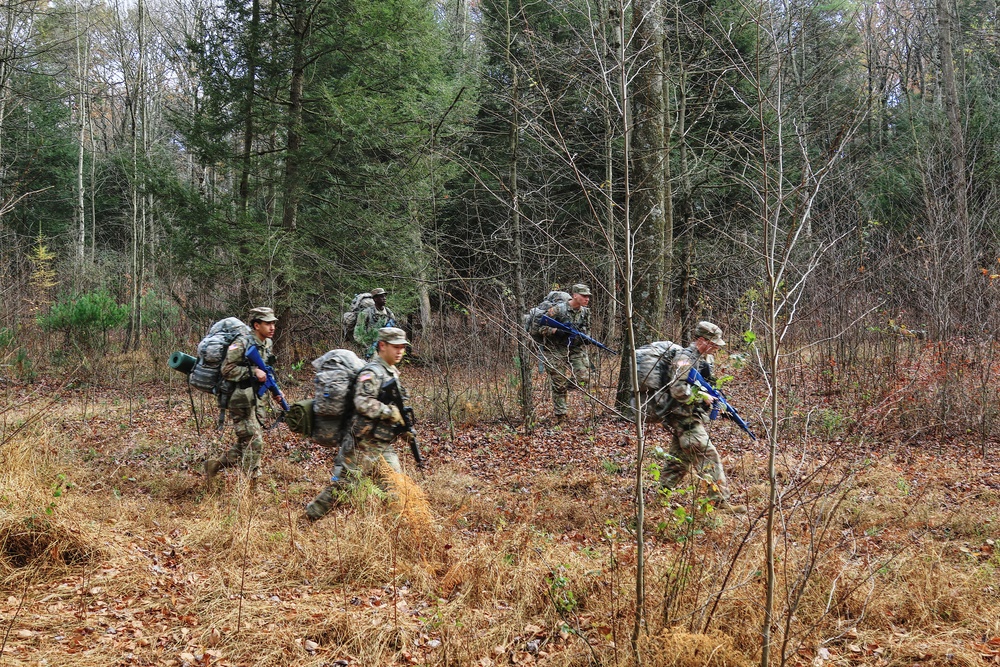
x,y
246,410
685,414
370,320
558,349
373,426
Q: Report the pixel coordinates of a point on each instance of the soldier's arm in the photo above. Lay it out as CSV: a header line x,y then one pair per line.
x,y
366,401
558,312
679,387
235,367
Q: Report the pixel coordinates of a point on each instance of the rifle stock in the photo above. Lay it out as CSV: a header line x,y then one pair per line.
x,y
695,378
390,394
547,321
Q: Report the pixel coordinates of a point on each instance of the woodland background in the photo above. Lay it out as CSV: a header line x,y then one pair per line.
x,y
821,178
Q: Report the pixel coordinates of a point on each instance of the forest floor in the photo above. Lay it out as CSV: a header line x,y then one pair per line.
x,y
521,550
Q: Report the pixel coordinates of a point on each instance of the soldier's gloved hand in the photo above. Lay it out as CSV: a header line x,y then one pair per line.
x,y
395,416
546,331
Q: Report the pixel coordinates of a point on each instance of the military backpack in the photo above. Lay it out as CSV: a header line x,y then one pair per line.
x,y
531,323
207,372
333,401
358,303
653,363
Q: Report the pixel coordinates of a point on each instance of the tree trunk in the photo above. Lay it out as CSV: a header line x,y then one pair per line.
x,y
248,106
648,221
524,355
959,182
301,21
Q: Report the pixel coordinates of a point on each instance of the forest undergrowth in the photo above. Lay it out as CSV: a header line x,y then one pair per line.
x,y
520,549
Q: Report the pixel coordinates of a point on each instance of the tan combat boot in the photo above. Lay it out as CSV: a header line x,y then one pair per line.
x,y
212,468
723,505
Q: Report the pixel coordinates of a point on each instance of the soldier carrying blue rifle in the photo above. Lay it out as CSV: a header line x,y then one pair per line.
x,y
250,381
564,332
685,407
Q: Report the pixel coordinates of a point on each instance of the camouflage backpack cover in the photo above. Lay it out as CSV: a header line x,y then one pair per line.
x,y
653,363
358,303
207,372
531,324
333,401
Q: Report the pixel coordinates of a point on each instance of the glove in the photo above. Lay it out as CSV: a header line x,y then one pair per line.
x,y
546,331
395,417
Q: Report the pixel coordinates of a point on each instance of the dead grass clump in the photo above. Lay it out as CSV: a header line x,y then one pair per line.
x,y
929,590
407,499
32,541
933,652
670,648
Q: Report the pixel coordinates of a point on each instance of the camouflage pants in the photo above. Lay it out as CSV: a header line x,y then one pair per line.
x,y
356,459
691,446
248,420
556,360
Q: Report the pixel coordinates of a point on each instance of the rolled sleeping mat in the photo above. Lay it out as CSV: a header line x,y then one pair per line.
x,y
184,363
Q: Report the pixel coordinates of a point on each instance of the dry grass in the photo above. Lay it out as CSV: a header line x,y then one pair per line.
x,y
113,554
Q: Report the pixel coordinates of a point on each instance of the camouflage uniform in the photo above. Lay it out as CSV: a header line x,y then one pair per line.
x,y
558,351
370,320
246,410
686,418
371,434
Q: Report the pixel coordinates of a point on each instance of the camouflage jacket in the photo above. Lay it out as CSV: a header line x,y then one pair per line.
x,y
236,367
371,416
578,319
683,402
369,322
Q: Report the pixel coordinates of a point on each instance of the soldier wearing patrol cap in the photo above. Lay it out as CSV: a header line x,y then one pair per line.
x,y
372,432
370,320
685,414
245,408
559,351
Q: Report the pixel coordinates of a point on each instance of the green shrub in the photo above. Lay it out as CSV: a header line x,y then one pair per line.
x,y
84,317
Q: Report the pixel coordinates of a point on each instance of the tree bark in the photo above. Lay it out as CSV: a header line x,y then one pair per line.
x,y
959,181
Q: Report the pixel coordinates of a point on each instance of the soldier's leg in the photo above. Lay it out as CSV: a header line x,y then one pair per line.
x,y
392,457
242,410
345,476
678,460
254,450
580,363
706,459
555,365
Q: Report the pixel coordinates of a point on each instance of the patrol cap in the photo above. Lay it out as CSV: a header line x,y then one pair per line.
x,y
261,314
392,336
580,289
377,291
709,331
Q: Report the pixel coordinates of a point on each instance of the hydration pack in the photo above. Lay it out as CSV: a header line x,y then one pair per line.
x,y
531,324
207,373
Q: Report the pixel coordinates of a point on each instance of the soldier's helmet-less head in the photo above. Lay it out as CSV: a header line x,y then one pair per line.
x,y
392,336
710,332
261,314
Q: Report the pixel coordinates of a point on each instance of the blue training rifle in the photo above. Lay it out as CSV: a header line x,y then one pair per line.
x,y
270,384
547,321
695,378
